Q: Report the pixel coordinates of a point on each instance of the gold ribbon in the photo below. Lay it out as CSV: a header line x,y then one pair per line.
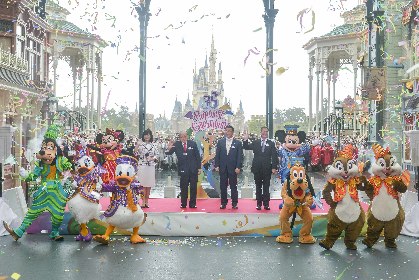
x,y
130,201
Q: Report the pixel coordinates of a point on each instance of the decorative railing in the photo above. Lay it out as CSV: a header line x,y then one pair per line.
x,y
330,124
74,119
13,62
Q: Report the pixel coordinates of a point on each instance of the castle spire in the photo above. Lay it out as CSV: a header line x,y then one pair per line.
x,y
195,67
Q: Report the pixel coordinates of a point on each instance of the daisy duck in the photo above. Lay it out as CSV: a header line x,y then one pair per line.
x,y
84,203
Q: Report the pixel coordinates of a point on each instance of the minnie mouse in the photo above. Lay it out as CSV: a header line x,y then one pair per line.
x,y
109,146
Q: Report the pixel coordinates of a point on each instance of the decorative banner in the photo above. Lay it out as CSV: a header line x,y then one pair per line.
x,y
208,120
374,83
349,104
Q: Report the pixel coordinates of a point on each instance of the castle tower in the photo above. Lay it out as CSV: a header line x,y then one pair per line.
x,y
205,80
212,60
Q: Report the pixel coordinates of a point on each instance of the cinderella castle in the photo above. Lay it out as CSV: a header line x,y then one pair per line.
x,y
206,80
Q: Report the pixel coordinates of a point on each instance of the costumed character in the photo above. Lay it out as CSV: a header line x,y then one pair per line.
x,y
207,162
297,198
345,213
84,203
50,195
110,148
129,148
327,154
124,211
315,155
385,211
292,146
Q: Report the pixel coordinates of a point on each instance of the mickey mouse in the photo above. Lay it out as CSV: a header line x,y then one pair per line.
x,y
293,146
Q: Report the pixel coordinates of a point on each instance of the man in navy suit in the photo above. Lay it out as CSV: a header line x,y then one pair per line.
x,y
265,162
228,161
189,166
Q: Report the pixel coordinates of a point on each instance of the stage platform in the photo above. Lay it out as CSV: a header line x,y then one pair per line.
x,y
166,218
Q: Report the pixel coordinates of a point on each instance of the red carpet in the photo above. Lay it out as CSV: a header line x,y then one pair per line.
x,y
212,205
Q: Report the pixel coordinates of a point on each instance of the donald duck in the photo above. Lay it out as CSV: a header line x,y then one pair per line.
x,y
124,211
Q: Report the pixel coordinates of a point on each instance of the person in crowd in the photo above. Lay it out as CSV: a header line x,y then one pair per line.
x,y
147,154
228,161
189,166
265,162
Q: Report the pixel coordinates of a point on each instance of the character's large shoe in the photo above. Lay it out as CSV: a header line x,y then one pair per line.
x,y
313,206
325,244
86,238
367,243
307,239
351,246
55,235
285,238
11,231
103,239
390,243
136,239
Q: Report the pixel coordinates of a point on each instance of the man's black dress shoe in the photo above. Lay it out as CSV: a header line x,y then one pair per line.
x,y
223,206
267,208
193,206
182,206
235,206
258,207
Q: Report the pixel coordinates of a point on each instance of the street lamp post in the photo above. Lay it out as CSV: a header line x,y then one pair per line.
x,y
269,17
339,114
49,108
375,59
1,178
143,16
52,104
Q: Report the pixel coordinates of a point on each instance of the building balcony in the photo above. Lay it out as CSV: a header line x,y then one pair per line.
x,y
13,62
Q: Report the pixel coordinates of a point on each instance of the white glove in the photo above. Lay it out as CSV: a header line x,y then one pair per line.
x,y
74,185
99,186
23,173
96,195
83,142
66,174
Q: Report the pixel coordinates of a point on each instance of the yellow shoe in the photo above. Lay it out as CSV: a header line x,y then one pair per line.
x,y
308,239
103,239
284,238
136,239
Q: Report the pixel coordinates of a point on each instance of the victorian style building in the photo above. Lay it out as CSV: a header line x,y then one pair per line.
x,y
34,36
25,52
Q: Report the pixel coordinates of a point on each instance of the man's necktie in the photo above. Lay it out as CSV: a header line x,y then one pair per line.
x,y
263,146
184,147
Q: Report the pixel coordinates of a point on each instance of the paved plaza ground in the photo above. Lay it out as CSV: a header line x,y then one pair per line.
x,y
35,257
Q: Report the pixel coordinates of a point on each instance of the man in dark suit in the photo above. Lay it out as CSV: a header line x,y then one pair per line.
x,y
189,166
265,162
228,161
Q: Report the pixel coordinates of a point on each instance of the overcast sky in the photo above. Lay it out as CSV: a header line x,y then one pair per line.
x,y
237,27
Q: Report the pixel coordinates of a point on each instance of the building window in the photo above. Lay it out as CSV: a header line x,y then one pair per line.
x,y
34,57
6,44
6,26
